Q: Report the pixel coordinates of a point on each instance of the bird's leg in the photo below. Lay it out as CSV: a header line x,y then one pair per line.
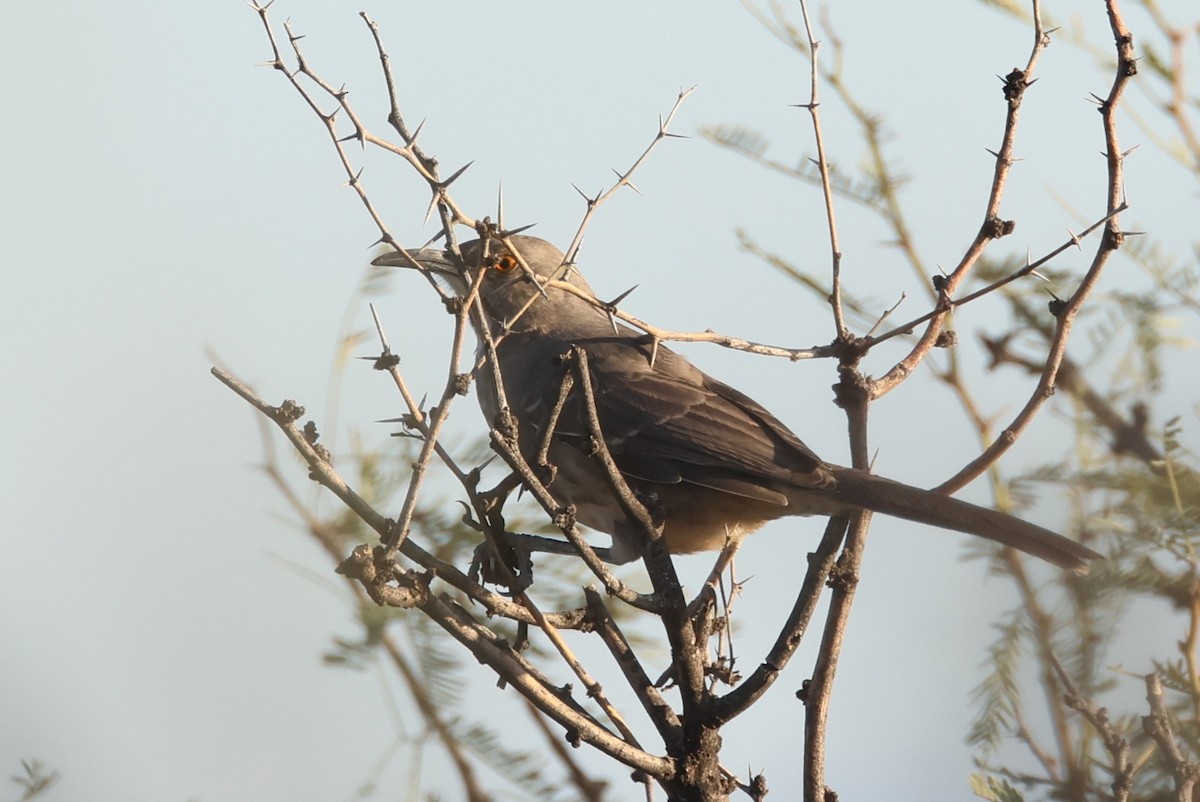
x,y
494,499
550,545
504,565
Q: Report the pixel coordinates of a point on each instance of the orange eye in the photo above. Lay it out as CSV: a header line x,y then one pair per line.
x,y
505,263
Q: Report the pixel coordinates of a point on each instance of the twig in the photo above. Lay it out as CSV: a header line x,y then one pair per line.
x,y
1157,725
623,179
495,652
564,519
430,431
1113,237
332,543
993,227
590,790
657,708
1117,746
285,417
488,647
841,333
699,746
820,565
1129,434
880,387
844,583
427,166
1043,626
723,340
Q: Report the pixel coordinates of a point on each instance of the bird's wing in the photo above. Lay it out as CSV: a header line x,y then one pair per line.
x,y
670,422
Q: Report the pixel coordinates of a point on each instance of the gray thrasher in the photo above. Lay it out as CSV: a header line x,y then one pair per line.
x,y
713,461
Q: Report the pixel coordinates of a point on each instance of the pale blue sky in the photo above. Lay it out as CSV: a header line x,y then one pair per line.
x,y
164,196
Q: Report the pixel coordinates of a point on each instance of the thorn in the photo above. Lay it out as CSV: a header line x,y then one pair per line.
x,y
670,135
519,229
1039,275
537,282
1075,240
995,155
356,135
412,140
387,349
429,209
633,186
457,173
613,303
654,351
500,205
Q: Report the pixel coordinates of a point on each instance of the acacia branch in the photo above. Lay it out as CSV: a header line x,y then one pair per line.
x,y
323,472
1111,240
1117,746
623,179
1157,725
992,227
841,333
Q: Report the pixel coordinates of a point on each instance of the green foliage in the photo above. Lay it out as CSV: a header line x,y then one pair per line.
x,y
997,695
34,779
994,789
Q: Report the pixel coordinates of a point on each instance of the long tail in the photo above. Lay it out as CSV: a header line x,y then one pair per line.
x,y
862,489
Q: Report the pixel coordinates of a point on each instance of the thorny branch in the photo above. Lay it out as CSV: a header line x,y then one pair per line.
x,y
992,227
1111,240
385,581
1157,725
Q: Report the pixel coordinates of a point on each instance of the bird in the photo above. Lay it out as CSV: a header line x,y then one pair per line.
x,y
714,463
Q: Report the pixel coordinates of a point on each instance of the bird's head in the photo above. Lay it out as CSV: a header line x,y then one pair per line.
x,y
508,286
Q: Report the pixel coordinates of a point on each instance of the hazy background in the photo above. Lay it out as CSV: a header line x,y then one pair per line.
x,y
163,616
